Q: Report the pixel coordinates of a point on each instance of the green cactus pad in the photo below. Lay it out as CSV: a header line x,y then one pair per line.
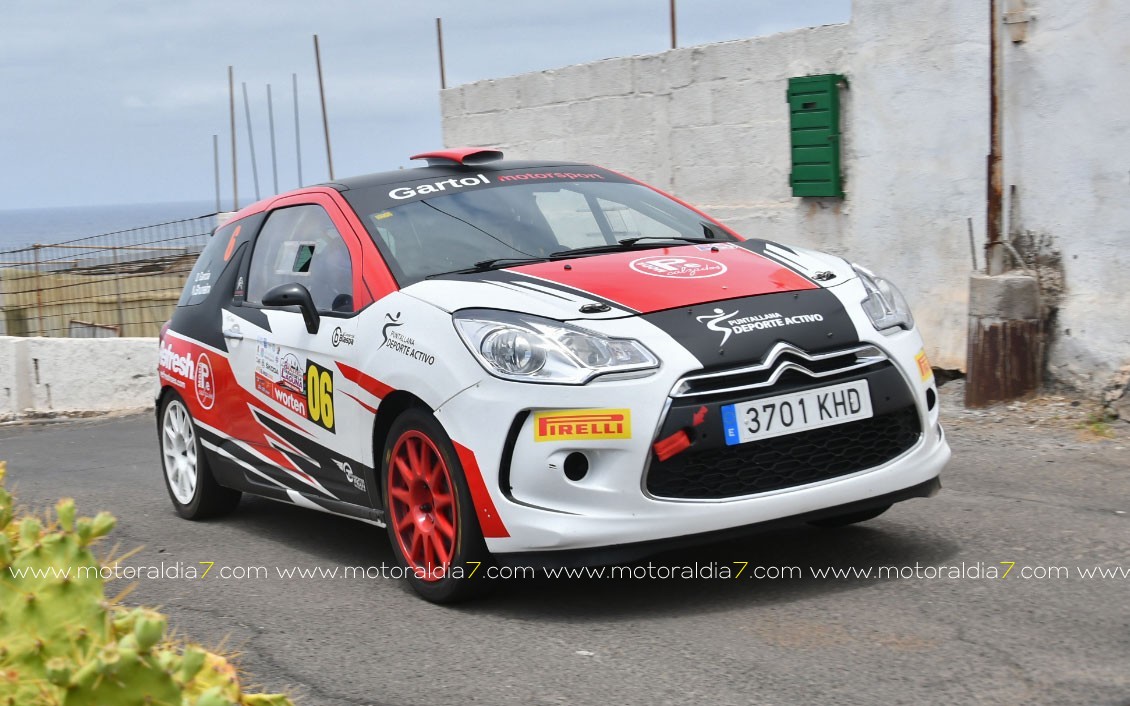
x,y
61,644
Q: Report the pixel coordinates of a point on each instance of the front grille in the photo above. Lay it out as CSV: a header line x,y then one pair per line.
x,y
785,461
783,363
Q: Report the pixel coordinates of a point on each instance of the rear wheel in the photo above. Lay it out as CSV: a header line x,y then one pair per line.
x,y
431,520
850,518
194,491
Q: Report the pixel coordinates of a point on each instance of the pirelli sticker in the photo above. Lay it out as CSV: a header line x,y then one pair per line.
x,y
582,425
924,369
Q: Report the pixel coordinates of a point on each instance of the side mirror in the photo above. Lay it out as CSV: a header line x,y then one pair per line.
x,y
295,294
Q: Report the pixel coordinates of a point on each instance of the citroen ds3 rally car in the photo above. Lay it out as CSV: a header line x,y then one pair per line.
x,y
527,362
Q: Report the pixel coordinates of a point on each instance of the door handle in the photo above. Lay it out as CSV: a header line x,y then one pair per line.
x,y
232,333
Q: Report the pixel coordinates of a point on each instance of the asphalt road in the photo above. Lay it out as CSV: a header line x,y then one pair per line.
x,y
1039,497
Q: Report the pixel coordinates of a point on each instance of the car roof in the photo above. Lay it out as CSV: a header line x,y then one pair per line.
x,y
439,171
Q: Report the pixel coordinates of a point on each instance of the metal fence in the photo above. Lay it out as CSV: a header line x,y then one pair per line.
x,y
124,283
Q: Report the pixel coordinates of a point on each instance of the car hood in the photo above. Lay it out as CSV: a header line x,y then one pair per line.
x,y
636,282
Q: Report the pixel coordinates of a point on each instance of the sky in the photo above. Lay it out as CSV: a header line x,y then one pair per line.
x,y
116,101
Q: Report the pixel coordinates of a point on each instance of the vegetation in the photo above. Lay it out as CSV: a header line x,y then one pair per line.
x,y
62,643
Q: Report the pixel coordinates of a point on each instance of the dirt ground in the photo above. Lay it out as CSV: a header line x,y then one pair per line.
x,y
1062,421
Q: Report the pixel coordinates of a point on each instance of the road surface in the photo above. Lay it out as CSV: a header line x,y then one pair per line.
x,y
1037,499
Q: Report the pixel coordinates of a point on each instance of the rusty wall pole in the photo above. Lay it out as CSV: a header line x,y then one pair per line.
x,y
994,255
1005,354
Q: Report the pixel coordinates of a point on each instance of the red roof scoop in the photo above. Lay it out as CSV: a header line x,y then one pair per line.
x,y
466,156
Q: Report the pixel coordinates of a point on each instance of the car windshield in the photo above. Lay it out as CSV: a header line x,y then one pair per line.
x,y
510,223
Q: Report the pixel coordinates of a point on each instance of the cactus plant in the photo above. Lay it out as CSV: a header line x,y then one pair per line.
x,y
62,643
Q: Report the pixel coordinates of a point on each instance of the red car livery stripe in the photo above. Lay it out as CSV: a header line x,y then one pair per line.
x,y
489,521
203,377
666,278
370,384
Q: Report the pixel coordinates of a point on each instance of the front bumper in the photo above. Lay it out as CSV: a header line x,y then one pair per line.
x,y
611,508
625,553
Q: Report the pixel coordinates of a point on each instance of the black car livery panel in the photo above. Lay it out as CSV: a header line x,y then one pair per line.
x,y
735,331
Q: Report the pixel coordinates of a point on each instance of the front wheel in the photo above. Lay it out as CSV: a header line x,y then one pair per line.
x,y
195,493
431,519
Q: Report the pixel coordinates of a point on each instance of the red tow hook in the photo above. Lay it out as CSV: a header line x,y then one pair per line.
x,y
677,443
680,441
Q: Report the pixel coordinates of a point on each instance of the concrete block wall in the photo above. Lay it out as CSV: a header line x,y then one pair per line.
x,y
48,376
710,124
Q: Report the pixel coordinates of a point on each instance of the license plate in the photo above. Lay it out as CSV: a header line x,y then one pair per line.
x,y
800,411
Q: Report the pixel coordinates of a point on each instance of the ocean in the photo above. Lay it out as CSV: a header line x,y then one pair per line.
x,y
20,228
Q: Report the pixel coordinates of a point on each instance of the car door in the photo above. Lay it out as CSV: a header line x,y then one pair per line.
x,y
307,436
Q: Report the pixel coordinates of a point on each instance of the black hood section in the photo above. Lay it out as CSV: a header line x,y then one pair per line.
x,y
740,331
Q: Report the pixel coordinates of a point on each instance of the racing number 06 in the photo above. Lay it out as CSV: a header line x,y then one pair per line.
x,y
320,395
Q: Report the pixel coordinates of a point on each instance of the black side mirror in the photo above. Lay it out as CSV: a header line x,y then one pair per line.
x,y
295,294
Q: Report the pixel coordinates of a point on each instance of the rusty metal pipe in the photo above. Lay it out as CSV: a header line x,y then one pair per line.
x,y
994,259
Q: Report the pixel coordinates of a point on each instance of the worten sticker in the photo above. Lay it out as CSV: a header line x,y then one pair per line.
x,y
582,424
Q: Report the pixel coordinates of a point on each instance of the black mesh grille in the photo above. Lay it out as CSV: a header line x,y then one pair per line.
x,y
785,461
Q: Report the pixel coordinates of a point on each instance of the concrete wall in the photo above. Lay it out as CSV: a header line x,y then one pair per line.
x,y
1067,151
49,376
710,124
916,155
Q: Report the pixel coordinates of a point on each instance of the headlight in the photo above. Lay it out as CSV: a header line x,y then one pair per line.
x,y
885,305
532,349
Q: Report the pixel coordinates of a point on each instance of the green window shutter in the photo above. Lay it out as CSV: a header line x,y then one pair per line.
x,y
814,135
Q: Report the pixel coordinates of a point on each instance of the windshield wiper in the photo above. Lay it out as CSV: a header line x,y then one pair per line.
x,y
629,243
496,263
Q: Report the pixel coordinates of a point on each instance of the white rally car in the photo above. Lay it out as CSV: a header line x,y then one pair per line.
x,y
536,362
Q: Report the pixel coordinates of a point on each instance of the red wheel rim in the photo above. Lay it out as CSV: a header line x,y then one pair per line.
x,y
421,504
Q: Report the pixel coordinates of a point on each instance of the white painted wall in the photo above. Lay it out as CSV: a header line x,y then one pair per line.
x,y
9,378
1067,150
710,124
42,376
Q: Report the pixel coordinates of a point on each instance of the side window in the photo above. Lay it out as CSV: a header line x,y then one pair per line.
x,y
209,266
300,244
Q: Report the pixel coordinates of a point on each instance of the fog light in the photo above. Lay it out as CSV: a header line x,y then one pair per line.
x,y
931,399
576,466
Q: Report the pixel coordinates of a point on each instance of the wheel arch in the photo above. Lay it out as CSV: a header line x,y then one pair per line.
x,y
159,402
391,407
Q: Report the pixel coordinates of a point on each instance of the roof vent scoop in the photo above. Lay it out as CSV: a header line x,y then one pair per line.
x,y
465,156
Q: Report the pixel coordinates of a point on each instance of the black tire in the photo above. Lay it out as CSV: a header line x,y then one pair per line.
x,y
420,510
182,456
850,518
